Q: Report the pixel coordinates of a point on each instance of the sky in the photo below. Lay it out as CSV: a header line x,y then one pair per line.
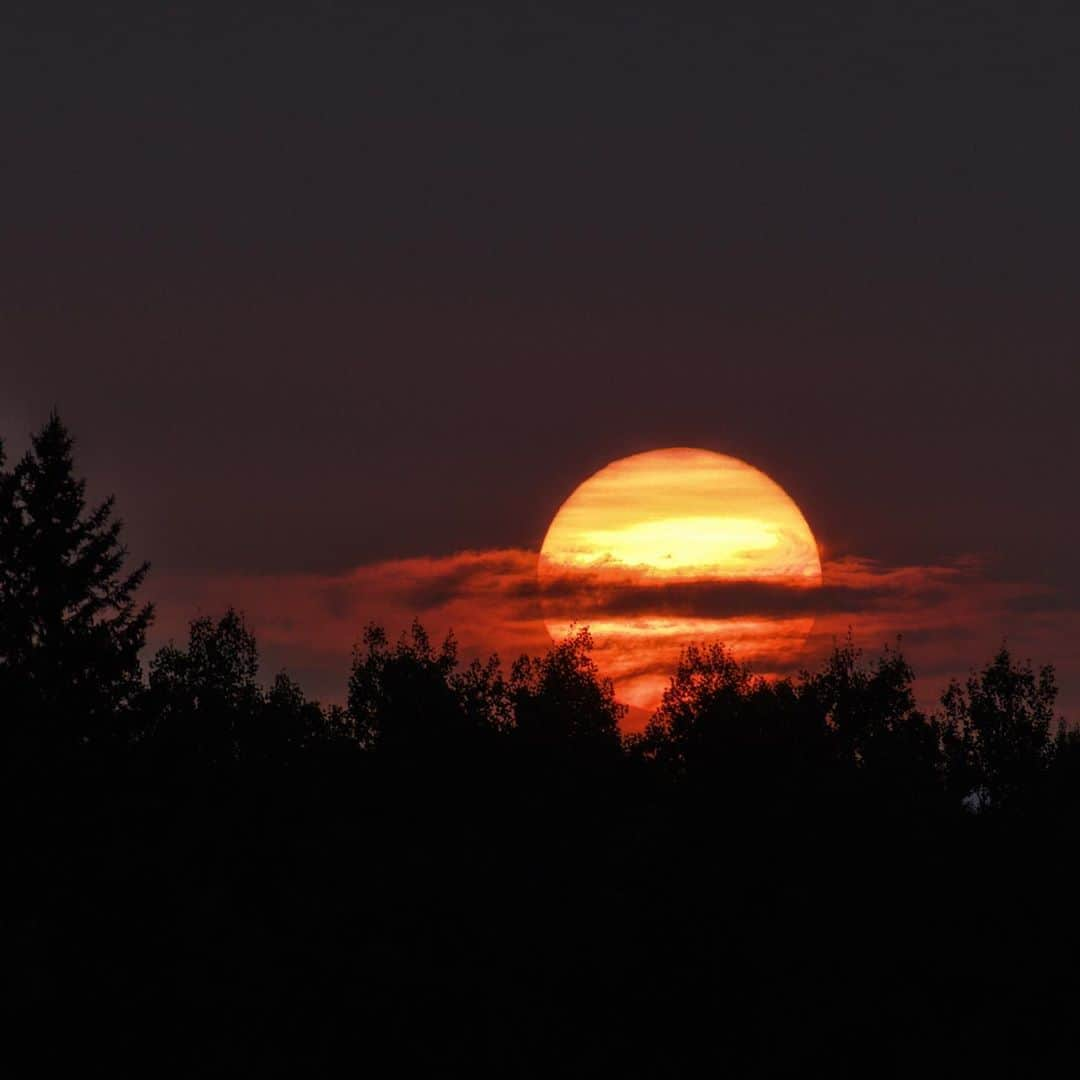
x,y
332,298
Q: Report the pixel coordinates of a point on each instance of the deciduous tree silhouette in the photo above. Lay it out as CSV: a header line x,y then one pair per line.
x,y
71,627
484,696
736,735
288,724
700,707
560,699
402,698
870,709
997,731
204,699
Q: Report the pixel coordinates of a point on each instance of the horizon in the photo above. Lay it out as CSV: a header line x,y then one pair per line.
x,y
499,603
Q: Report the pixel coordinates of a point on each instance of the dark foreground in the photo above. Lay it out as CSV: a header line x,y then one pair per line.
x,y
534,917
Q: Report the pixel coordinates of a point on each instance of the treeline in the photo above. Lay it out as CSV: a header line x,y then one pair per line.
x,y
470,867
71,681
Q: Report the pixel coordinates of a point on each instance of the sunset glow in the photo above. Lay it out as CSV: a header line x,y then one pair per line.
x,y
669,518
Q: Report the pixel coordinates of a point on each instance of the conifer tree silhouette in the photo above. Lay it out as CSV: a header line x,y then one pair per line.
x,y
71,627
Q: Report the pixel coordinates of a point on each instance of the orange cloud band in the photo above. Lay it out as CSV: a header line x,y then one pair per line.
x,y
950,616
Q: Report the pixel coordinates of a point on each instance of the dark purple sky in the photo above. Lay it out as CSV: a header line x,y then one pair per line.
x,y
327,289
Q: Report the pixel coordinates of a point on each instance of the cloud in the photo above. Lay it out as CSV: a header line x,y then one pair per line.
x,y
949,616
310,622
715,599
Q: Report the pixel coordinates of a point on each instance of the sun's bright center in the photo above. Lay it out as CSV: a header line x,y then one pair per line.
x,y
667,518
679,544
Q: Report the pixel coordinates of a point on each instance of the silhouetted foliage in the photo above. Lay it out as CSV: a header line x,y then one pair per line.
x,y
289,724
204,703
403,697
466,870
871,712
560,698
204,699
998,737
484,695
71,629
732,737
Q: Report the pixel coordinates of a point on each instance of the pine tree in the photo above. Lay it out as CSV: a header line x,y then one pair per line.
x,y
71,628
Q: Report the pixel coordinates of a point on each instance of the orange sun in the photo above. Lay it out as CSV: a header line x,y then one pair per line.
x,y
648,551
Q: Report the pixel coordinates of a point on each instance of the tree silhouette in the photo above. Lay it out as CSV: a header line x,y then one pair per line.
x,y
71,629
484,695
288,724
204,699
560,698
464,865
998,730
701,704
745,737
870,709
402,698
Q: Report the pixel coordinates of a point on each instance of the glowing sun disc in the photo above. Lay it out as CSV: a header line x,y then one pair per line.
x,y
641,542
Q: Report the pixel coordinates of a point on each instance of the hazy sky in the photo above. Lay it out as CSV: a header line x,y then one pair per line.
x,y
320,291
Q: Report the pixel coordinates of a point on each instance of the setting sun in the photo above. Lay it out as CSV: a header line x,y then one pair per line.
x,y
670,518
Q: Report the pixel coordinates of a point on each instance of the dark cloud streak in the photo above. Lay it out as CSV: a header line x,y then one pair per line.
x,y
724,599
